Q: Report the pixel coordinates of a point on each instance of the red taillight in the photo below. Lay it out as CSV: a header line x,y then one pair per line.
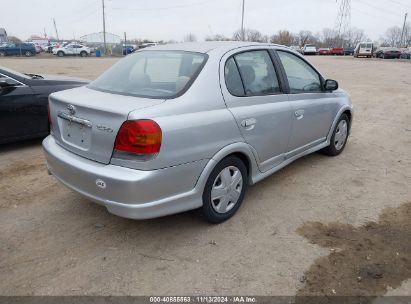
x,y
139,137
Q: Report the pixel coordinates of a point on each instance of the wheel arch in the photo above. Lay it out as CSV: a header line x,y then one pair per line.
x,y
344,110
240,150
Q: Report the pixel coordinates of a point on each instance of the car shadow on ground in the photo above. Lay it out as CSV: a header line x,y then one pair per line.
x,y
8,147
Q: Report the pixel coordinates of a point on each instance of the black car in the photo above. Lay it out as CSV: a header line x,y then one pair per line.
x,y
24,103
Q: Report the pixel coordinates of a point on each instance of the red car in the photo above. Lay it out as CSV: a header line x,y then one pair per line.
x,y
324,51
337,51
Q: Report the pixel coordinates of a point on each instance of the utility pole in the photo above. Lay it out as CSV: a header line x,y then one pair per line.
x,y
403,28
125,43
242,23
104,29
55,28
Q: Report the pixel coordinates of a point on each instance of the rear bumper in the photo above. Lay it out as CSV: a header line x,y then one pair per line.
x,y
128,192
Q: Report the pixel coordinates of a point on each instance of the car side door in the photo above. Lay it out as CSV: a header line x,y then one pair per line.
x,y
21,115
70,50
253,92
313,108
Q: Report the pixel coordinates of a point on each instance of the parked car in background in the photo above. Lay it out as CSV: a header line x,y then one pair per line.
x,y
128,49
24,100
364,49
145,143
309,49
348,51
296,48
337,51
25,49
406,54
388,53
36,46
72,50
323,51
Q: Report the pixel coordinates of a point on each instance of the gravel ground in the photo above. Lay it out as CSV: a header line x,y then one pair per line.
x,y
293,228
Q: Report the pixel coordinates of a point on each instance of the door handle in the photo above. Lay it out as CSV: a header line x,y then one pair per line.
x,y
249,123
299,114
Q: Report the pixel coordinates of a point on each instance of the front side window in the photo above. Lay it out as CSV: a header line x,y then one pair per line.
x,y
302,78
257,73
152,74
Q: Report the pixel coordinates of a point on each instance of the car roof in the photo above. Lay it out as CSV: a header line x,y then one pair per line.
x,y
208,46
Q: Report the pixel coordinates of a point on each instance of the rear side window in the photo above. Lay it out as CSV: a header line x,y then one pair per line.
x,y
302,78
233,79
257,73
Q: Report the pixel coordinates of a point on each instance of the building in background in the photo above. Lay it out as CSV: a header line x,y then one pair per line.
x,y
3,35
98,38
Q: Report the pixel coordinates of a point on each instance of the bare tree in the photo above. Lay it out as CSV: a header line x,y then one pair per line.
x,y
306,37
249,35
284,37
217,37
355,36
190,38
392,36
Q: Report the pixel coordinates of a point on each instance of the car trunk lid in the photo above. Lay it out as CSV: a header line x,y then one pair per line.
x,y
86,121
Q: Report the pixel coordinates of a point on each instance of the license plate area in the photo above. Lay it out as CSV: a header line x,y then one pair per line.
x,y
76,134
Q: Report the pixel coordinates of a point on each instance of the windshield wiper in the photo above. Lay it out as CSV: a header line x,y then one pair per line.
x,y
34,76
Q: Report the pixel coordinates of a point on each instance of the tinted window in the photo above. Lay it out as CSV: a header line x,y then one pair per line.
x,y
233,79
302,78
155,74
257,73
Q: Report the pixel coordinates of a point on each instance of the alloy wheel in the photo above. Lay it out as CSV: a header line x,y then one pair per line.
x,y
341,134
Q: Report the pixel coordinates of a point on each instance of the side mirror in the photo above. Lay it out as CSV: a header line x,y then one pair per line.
x,y
4,84
330,85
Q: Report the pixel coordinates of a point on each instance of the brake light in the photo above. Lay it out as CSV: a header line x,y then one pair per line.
x,y
138,137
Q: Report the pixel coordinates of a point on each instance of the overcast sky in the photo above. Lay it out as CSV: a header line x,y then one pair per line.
x,y
173,19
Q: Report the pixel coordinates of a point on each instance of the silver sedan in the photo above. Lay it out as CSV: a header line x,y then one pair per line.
x,y
190,126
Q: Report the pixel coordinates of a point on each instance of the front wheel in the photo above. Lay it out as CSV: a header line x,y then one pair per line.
x,y
224,190
60,54
83,54
339,137
28,53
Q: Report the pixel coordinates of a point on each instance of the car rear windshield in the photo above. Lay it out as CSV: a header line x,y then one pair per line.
x,y
152,74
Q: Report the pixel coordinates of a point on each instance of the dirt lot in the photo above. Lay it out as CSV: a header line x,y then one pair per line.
x,y
320,226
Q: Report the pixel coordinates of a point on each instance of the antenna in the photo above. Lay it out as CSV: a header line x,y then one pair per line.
x,y
55,28
343,21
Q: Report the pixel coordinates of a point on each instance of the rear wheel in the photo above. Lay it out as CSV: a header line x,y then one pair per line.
x,y
224,190
339,137
83,54
28,53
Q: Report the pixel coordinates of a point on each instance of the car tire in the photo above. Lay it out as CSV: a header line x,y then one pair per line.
x,y
28,54
60,53
224,190
83,54
339,137
2,54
